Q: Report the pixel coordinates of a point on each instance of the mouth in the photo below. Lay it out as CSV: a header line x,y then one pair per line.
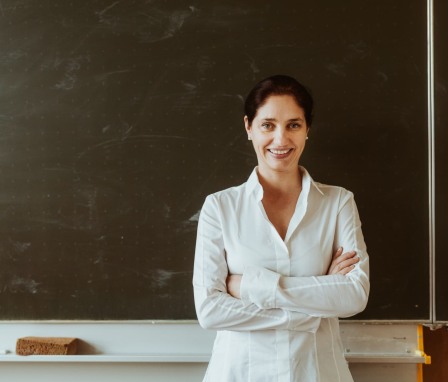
x,y
280,153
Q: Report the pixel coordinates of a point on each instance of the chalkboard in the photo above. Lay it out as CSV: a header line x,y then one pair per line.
x,y
441,155
119,117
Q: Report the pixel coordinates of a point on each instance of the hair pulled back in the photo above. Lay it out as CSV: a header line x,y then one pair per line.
x,y
278,85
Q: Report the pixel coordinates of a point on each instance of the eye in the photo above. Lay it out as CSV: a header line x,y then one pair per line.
x,y
266,126
295,125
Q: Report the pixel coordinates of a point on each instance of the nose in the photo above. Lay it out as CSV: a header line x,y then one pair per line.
x,y
281,136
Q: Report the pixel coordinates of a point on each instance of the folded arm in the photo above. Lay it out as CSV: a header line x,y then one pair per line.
x,y
332,295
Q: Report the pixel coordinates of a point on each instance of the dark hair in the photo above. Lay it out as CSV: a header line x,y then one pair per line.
x,y
278,85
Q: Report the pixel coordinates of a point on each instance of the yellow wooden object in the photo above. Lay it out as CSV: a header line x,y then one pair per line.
x,y
422,353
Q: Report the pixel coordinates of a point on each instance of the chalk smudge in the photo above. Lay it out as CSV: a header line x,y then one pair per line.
x,y
70,76
20,285
161,277
21,247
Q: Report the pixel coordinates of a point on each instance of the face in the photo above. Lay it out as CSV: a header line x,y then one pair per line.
x,y
278,133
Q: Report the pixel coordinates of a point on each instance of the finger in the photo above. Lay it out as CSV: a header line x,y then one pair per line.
x,y
338,253
334,259
352,259
348,262
349,254
346,256
343,264
346,270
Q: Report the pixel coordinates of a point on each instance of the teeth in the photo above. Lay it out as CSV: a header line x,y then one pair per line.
x,y
278,152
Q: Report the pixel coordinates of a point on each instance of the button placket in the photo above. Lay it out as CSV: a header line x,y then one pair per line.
x,y
282,256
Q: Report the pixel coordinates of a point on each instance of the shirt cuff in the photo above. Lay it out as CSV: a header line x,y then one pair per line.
x,y
258,286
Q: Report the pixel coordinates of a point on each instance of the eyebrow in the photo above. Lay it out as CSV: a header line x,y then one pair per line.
x,y
289,120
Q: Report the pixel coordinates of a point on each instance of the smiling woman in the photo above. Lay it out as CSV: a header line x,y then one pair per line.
x,y
280,257
278,132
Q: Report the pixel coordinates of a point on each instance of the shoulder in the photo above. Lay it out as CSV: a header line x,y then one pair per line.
x,y
333,194
325,191
331,190
226,197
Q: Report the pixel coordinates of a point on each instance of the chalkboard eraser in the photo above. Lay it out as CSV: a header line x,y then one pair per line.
x,y
46,346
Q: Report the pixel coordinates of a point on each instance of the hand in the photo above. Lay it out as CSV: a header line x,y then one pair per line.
x,y
234,285
342,263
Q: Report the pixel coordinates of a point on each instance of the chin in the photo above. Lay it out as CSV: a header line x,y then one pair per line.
x,y
281,167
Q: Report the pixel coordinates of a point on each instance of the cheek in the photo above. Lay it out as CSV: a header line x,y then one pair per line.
x,y
302,144
259,144
258,149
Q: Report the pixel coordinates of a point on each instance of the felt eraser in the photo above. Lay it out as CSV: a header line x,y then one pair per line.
x,y
46,346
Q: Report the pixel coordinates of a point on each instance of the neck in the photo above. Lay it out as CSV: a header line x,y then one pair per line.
x,y
277,182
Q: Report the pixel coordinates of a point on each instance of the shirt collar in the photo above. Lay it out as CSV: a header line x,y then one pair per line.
x,y
253,184
308,181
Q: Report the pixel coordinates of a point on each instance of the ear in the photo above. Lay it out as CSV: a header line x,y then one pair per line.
x,y
247,127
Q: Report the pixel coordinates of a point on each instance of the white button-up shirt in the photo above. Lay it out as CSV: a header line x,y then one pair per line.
x,y
285,326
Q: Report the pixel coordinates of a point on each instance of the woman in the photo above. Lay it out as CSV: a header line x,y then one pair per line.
x,y
264,273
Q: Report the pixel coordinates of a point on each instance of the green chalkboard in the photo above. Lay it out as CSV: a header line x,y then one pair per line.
x,y
117,118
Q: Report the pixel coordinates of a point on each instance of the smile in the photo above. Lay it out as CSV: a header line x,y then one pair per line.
x,y
279,152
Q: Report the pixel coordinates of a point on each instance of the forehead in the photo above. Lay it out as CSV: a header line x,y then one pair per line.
x,y
280,107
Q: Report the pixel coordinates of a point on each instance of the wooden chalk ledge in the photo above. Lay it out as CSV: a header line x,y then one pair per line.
x,y
46,346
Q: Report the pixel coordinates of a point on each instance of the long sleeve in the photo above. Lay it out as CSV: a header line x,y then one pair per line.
x,y
215,308
319,296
